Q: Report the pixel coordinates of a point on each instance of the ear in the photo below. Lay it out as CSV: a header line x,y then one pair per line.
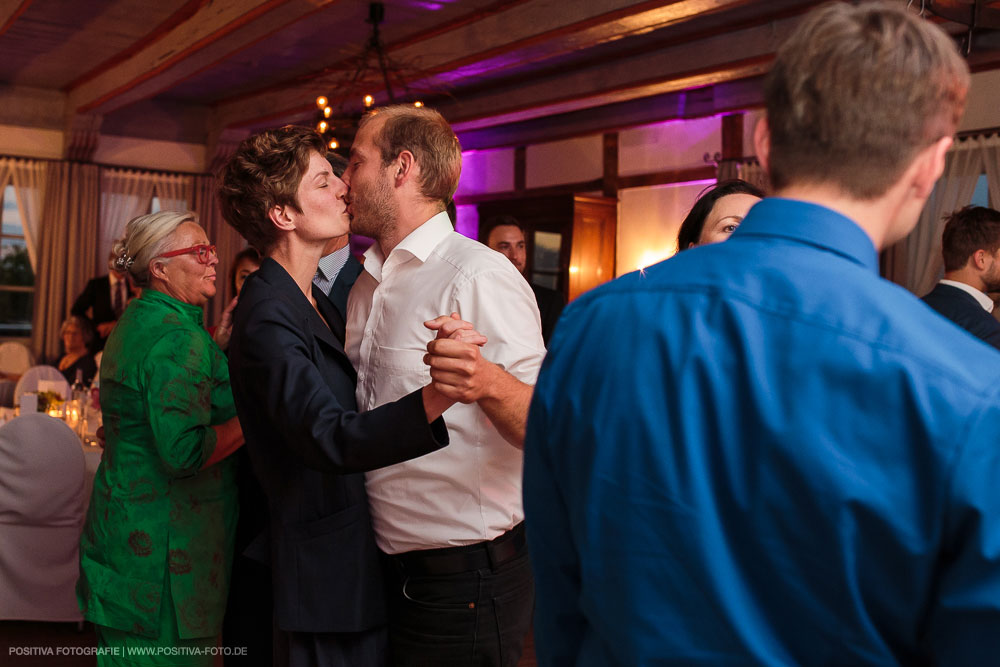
x,y
978,259
157,269
762,143
280,217
406,170
930,166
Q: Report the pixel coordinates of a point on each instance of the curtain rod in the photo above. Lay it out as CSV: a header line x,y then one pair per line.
x,y
111,166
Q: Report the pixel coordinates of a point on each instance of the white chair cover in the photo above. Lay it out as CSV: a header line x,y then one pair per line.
x,y
42,505
29,381
15,358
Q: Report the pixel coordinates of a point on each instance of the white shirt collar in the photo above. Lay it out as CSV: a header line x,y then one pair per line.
x,y
419,243
984,301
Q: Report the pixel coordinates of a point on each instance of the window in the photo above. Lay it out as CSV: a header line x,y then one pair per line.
x,y
17,280
981,195
154,205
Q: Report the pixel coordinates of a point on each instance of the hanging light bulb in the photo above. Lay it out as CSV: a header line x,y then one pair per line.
x,y
418,104
369,100
327,111
333,144
321,101
322,126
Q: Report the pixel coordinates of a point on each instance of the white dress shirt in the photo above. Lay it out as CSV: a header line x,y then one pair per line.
x,y
470,491
984,301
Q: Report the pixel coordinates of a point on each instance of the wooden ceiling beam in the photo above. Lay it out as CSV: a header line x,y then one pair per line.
x,y
10,11
690,65
216,30
525,32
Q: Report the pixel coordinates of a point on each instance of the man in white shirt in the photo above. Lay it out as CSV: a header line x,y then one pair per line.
x,y
970,246
450,523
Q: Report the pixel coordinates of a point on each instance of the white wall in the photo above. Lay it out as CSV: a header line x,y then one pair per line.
x,y
679,144
648,222
487,171
150,154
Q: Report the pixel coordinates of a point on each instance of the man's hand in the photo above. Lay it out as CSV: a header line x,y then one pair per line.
x,y
454,327
104,328
224,330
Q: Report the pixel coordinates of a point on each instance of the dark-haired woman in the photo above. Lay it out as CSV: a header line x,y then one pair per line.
x,y
717,213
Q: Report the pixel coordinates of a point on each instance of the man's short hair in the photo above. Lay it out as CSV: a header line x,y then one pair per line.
x,y
265,171
856,92
498,221
966,231
425,133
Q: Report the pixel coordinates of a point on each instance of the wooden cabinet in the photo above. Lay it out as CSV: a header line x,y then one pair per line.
x,y
570,239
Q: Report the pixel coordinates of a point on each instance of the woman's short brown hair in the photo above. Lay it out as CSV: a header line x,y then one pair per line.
x,y
265,171
856,92
425,133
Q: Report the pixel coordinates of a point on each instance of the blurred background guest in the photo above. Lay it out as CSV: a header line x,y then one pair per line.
x,y
104,300
157,541
246,262
77,335
717,213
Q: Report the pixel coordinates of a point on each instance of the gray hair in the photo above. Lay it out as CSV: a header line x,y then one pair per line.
x,y
146,237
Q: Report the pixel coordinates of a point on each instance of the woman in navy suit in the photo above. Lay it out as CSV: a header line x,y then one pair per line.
x,y
294,391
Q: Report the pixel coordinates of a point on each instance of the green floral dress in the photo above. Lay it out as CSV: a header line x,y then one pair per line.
x,y
159,528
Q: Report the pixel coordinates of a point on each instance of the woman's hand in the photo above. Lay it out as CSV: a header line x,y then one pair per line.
x,y
224,330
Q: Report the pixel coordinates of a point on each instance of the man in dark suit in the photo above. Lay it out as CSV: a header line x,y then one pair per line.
x,y
971,249
338,269
506,236
105,297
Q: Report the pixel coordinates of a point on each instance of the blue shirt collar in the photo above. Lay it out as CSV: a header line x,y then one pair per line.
x,y
812,224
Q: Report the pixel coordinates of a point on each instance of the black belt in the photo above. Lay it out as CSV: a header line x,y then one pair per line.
x,y
451,560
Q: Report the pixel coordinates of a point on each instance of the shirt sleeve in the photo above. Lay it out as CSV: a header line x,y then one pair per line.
x,y
964,622
501,305
178,395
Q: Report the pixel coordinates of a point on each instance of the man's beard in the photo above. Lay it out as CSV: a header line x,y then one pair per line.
x,y
374,211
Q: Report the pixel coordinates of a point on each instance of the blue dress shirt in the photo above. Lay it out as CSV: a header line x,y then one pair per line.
x,y
761,453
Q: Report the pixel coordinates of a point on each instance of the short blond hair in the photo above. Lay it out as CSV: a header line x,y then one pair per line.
x,y
146,237
425,133
856,92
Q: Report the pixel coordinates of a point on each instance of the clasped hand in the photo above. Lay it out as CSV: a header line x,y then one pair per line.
x,y
458,370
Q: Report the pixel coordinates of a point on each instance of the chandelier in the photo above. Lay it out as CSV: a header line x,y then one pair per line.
x,y
363,76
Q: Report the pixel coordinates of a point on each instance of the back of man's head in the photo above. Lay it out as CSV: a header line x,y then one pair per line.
x,y
856,92
968,230
428,136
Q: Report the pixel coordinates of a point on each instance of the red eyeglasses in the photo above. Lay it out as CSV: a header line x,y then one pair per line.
x,y
203,252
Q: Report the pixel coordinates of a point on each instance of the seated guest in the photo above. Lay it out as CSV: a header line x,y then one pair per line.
x,y
295,393
104,300
971,249
77,335
157,541
717,213
506,236
246,262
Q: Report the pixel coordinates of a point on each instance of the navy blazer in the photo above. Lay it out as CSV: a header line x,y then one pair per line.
x,y
962,308
294,391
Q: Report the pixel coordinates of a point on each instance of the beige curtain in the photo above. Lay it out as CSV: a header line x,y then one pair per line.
x,y
29,177
67,248
915,262
225,238
174,190
124,195
991,158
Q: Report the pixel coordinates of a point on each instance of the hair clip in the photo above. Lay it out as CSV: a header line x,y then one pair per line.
x,y
123,262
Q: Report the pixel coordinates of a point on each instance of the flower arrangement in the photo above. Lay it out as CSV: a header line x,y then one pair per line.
x,y
48,400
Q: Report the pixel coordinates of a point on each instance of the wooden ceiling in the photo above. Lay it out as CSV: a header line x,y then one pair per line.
x,y
507,73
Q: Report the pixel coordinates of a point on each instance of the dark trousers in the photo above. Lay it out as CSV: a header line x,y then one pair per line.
x,y
443,613
329,649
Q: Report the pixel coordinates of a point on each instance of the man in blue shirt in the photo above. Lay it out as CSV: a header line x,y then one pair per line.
x,y
759,452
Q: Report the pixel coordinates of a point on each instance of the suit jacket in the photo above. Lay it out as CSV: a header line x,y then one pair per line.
x,y
550,306
962,308
342,285
294,392
96,297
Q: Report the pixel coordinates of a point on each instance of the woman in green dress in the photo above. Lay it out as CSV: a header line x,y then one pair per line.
x,y
157,543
